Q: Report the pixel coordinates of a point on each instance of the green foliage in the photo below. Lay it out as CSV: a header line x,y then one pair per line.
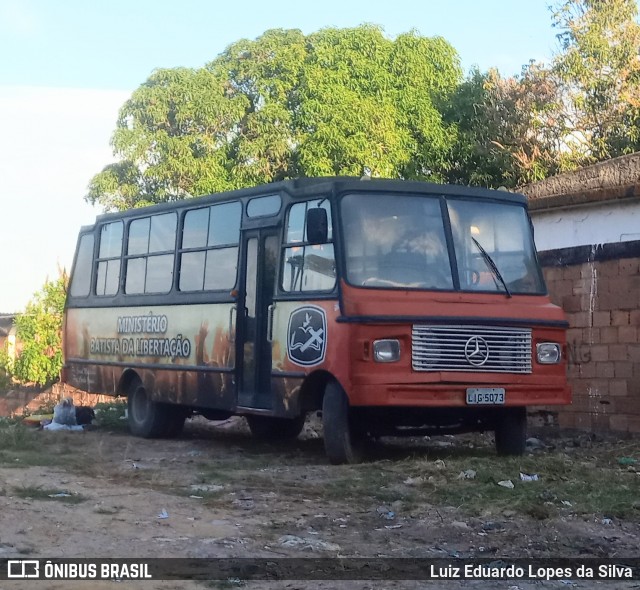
x,y
510,131
583,108
15,436
599,69
6,370
477,159
111,416
353,102
39,330
338,101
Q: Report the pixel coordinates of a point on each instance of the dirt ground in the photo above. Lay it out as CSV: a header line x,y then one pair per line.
x,y
216,492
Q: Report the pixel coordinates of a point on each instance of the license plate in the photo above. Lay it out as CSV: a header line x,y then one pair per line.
x,y
485,395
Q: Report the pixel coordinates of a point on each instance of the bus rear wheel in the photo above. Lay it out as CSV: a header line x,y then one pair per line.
x,y
342,442
147,419
270,428
511,432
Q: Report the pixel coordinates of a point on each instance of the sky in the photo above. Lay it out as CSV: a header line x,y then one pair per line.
x,y
67,66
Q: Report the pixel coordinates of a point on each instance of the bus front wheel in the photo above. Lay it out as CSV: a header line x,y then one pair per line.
x,y
511,432
270,428
342,442
147,419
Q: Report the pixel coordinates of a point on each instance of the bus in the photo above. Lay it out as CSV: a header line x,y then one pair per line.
x,y
388,307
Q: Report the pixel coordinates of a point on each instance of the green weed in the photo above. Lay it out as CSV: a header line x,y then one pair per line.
x,y
111,416
15,436
40,493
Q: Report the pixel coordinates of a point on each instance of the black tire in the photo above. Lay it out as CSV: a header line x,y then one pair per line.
x,y
270,428
147,419
342,442
511,432
176,417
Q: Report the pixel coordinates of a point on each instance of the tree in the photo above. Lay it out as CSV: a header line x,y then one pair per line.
x,y
39,330
338,101
583,108
599,67
510,130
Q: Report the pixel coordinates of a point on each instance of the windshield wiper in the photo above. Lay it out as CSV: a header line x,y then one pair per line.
x,y
492,265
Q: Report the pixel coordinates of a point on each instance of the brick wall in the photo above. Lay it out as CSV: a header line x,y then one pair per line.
x,y
23,400
599,289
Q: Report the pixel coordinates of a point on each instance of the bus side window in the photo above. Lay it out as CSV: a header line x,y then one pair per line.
x,y
108,267
81,279
307,267
150,253
209,251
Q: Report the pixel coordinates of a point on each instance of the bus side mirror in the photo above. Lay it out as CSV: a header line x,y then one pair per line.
x,y
317,226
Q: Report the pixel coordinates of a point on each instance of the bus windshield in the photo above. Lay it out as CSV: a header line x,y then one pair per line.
x,y
401,242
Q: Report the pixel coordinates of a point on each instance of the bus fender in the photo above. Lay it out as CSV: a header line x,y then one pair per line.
x,y
128,377
313,388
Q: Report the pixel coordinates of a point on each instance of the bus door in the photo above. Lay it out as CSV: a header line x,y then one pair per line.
x,y
260,251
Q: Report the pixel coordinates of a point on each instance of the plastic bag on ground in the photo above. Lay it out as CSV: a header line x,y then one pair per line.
x,y
65,413
56,426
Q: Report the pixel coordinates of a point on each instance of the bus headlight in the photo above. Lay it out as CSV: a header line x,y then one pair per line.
x,y
386,351
548,353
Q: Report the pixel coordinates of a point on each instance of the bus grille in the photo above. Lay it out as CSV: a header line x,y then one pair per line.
x,y
481,349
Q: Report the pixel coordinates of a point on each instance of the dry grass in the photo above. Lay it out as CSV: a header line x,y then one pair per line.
x,y
418,473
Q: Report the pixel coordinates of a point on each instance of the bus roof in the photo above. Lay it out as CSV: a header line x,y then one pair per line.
x,y
305,187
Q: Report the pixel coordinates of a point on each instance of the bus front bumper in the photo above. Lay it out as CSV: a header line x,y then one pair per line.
x,y
455,395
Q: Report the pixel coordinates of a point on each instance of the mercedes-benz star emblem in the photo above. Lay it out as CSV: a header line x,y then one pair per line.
x,y
477,351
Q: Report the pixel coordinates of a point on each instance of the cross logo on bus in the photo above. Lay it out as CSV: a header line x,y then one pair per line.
x,y
307,336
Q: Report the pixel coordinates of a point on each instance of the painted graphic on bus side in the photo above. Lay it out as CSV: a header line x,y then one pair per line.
x,y
182,354
307,336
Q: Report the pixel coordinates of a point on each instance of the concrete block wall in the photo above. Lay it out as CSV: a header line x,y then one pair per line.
x,y
21,400
599,289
